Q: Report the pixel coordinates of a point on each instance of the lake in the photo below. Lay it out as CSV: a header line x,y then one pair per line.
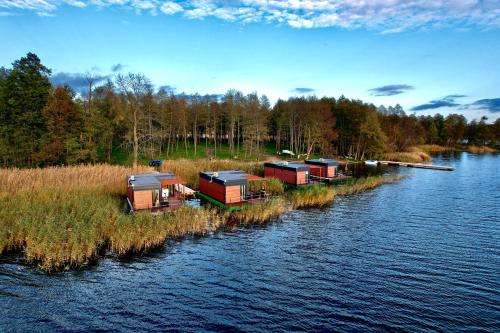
x,y
421,254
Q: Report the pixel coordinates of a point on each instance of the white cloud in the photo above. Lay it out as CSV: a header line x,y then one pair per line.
x,y
171,8
387,16
76,3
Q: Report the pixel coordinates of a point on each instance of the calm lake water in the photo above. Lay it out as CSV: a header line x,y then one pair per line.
x,y
419,255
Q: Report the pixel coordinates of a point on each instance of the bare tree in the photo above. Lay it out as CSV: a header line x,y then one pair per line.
x,y
134,88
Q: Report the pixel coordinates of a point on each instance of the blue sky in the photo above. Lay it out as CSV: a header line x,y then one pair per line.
x,y
428,56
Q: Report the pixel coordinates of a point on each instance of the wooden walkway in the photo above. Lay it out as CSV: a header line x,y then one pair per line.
x,y
417,165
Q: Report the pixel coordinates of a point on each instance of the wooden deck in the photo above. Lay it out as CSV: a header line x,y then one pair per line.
x,y
417,165
171,204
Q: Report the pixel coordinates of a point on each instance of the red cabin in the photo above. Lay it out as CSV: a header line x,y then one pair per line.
x,y
324,168
288,172
230,188
154,191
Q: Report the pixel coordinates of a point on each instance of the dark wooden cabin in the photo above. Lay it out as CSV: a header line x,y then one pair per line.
x,y
229,188
155,191
322,167
288,172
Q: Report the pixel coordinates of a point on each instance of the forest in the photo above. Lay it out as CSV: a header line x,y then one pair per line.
x,y
43,125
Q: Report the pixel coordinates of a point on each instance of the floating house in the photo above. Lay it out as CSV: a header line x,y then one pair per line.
x,y
327,171
323,168
155,191
288,172
230,189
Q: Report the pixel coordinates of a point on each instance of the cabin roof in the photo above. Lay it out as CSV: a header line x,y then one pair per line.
x,y
294,166
228,177
323,162
151,181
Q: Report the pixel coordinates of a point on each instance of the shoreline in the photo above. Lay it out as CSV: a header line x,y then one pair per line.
x,y
67,218
423,153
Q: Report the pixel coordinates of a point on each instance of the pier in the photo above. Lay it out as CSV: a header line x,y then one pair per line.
x,y
417,165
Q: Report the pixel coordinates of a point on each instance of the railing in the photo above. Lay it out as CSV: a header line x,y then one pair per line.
x,y
251,196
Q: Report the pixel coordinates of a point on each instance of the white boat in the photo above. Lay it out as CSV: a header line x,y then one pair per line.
x,y
371,162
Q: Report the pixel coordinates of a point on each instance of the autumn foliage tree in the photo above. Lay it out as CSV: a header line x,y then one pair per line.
x,y
64,122
127,117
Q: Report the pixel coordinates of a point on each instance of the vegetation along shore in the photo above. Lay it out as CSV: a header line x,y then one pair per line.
x,y
63,217
65,214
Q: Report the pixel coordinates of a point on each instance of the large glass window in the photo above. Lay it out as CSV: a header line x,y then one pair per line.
x,y
156,198
243,192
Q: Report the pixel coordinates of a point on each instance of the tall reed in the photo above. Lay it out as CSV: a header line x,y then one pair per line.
x,y
480,149
262,212
313,196
413,155
365,184
62,217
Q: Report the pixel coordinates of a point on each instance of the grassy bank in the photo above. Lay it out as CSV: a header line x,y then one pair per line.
x,y
480,149
365,184
64,217
412,155
261,213
421,153
315,196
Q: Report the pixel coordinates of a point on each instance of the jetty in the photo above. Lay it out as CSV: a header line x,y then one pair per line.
x,y
417,165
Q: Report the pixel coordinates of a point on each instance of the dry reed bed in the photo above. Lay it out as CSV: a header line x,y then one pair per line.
x,y
365,184
413,155
108,178
480,149
432,148
261,213
314,196
63,217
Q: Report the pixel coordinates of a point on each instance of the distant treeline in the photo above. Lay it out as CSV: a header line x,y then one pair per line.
x,y
41,124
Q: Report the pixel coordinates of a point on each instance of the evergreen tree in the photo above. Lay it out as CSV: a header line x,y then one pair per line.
x,y
25,92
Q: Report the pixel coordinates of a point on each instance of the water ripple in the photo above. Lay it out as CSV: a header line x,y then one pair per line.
x,y
418,255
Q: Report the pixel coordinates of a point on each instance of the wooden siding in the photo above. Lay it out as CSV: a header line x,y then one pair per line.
x,y
269,172
331,171
233,194
317,171
302,178
213,190
143,199
323,171
287,176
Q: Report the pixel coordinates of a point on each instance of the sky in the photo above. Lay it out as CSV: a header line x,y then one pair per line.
x,y
429,56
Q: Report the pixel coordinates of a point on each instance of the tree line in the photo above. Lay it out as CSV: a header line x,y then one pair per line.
x,y
42,124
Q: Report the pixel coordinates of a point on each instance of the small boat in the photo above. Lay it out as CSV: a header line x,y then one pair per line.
x,y
371,162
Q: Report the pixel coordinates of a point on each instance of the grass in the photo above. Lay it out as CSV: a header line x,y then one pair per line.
x,y
273,186
313,196
64,217
421,153
433,148
480,149
412,155
261,213
203,151
365,184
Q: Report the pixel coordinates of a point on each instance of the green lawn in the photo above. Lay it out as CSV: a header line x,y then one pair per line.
x,y
124,157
